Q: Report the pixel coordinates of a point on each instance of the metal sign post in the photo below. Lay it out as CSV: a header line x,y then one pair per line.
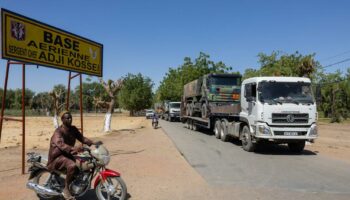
x,y
23,107
70,77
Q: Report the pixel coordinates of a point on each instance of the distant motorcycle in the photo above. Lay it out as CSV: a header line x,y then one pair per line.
x,y
91,163
155,123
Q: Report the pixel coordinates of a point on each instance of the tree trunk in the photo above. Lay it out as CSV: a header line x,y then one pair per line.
x,y
108,116
107,123
55,121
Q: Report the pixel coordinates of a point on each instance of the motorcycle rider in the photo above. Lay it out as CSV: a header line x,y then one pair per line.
x,y
154,118
62,149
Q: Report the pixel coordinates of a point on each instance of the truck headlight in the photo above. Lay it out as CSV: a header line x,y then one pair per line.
x,y
263,130
313,130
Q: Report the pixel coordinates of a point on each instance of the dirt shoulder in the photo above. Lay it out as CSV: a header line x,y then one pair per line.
x,y
148,161
333,141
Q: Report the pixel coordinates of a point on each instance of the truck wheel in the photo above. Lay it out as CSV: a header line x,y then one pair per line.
x,y
296,147
217,129
247,142
204,111
170,119
223,132
195,127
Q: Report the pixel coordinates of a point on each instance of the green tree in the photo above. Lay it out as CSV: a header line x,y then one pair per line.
x,y
90,91
17,102
278,64
136,93
41,101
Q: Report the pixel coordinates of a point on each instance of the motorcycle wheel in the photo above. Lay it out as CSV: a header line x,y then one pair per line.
x,y
115,185
42,179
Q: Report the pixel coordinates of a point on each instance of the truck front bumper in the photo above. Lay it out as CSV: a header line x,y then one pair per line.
x,y
175,115
263,131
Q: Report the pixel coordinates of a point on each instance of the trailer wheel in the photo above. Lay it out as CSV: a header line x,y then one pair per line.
x,y
195,127
296,147
223,132
188,123
217,129
191,124
247,142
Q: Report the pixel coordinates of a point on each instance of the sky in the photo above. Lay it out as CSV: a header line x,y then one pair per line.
x,y
149,37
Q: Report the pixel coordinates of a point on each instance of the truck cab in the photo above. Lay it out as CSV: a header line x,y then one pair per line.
x,y
278,109
172,111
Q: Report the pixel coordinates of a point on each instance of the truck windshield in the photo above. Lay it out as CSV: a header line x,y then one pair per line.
x,y
225,81
285,92
174,105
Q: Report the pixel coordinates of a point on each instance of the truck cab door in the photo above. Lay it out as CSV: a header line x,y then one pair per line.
x,y
249,107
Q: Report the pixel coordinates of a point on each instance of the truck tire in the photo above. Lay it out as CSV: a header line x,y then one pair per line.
x,y
195,127
247,142
170,119
223,133
204,111
296,147
217,129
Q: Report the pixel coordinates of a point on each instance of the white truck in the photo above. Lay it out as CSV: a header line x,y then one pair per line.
x,y
281,110
171,111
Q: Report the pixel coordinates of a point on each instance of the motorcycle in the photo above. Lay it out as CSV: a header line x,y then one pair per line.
x,y
91,163
155,123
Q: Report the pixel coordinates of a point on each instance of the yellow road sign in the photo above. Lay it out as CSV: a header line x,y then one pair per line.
x,y
30,41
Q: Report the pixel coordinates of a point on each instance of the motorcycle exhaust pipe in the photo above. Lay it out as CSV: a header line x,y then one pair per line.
x,y
42,190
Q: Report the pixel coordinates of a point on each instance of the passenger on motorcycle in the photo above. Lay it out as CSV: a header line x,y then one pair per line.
x,y
62,149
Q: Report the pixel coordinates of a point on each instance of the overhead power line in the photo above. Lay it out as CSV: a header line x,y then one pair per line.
x,y
337,55
342,61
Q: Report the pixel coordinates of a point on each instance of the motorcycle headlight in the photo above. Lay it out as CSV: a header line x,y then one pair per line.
x,y
106,159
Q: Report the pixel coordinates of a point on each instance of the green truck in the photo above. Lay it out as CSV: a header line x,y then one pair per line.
x,y
210,96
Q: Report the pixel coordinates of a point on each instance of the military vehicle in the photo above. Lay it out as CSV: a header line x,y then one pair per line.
x,y
278,110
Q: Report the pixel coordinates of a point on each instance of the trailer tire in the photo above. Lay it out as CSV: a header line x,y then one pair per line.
x,y
217,129
223,132
195,127
188,123
247,142
296,147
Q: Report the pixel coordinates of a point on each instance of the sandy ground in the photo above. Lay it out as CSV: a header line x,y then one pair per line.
x,y
147,159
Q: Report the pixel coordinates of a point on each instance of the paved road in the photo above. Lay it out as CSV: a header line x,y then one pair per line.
x,y
226,164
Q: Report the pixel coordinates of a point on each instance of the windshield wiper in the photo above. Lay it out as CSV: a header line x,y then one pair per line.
x,y
278,101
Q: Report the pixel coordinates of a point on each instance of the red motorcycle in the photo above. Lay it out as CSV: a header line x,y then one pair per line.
x,y
91,163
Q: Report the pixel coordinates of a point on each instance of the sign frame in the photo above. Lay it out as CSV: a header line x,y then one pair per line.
x,y
5,55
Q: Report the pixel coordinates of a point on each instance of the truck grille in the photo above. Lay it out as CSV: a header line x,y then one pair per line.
x,y
290,118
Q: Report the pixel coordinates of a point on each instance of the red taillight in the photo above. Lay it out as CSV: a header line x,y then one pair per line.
x,y
235,96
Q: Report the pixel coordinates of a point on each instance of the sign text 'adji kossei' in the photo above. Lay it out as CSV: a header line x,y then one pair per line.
x,y
30,41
